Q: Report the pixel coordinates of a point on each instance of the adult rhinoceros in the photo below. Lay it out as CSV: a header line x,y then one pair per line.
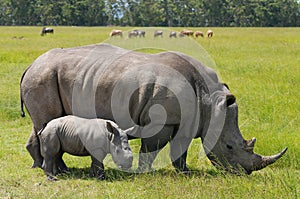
x,y
169,96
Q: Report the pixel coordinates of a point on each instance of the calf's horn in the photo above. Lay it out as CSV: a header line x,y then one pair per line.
x,y
260,162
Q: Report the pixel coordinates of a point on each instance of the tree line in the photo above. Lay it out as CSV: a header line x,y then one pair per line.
x,y
172,13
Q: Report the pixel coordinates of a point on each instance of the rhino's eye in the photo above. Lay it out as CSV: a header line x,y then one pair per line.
x,y
126,148
229,146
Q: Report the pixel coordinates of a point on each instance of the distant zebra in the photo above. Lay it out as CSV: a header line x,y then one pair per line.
x,y
141,33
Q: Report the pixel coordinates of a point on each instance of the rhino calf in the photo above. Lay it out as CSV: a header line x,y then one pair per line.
x,y
83,137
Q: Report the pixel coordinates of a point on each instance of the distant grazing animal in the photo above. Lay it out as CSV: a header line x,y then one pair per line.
x,y
187,32
171,97
181,35
114,33
173,34
83,137
209,33
46,30
158,33
140,33
198,33
132,34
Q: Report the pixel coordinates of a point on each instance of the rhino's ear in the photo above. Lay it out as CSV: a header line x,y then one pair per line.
x,y
226,86
230,99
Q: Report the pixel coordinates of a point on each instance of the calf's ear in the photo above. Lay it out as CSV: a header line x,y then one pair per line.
x,y
113,132
110,131
109,127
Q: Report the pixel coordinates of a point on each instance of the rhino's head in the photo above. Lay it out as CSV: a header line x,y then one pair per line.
x,y
119,147
224,144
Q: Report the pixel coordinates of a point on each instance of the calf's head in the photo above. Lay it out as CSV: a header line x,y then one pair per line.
x,y
224,144
119,147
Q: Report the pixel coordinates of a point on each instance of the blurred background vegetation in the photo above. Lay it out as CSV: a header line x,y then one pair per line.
x,y
172,13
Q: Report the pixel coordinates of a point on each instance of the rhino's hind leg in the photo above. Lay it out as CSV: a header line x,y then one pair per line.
x,y
33,147
43,103
151,146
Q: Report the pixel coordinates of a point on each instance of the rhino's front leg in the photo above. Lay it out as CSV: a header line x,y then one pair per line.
x,y
178,152
33,147
97,169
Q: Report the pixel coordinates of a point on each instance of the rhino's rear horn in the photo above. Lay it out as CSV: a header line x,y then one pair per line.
x,y
250,145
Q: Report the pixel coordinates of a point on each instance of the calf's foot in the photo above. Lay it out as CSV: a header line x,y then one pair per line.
x,y
97,169
62,167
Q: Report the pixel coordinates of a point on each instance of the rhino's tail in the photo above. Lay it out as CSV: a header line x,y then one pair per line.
x,y
21,99
22,109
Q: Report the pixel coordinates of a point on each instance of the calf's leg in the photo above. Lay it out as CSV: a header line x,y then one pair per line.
x,y
49,164
97,169
61,166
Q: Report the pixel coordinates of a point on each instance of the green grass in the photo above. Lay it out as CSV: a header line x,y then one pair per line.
x,y
261,67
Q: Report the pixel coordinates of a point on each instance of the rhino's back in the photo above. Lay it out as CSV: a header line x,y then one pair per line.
x,y
105,81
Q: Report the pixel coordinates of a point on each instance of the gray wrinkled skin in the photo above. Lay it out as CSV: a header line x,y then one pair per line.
x,y
83,137
169,96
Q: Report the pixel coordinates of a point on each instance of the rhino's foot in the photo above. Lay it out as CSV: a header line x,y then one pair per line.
x,y
182,169
186,172
144,170
101,176
51,178
36,165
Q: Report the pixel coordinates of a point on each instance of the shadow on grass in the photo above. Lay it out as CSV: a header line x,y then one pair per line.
x,y
117,175
84,174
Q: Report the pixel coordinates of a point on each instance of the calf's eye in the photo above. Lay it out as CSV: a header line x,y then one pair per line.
x,y
229,146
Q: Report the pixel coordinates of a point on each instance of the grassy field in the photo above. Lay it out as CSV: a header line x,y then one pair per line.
x,y
260,65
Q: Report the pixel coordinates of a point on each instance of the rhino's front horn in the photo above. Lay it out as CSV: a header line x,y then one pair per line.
x,y
261,162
